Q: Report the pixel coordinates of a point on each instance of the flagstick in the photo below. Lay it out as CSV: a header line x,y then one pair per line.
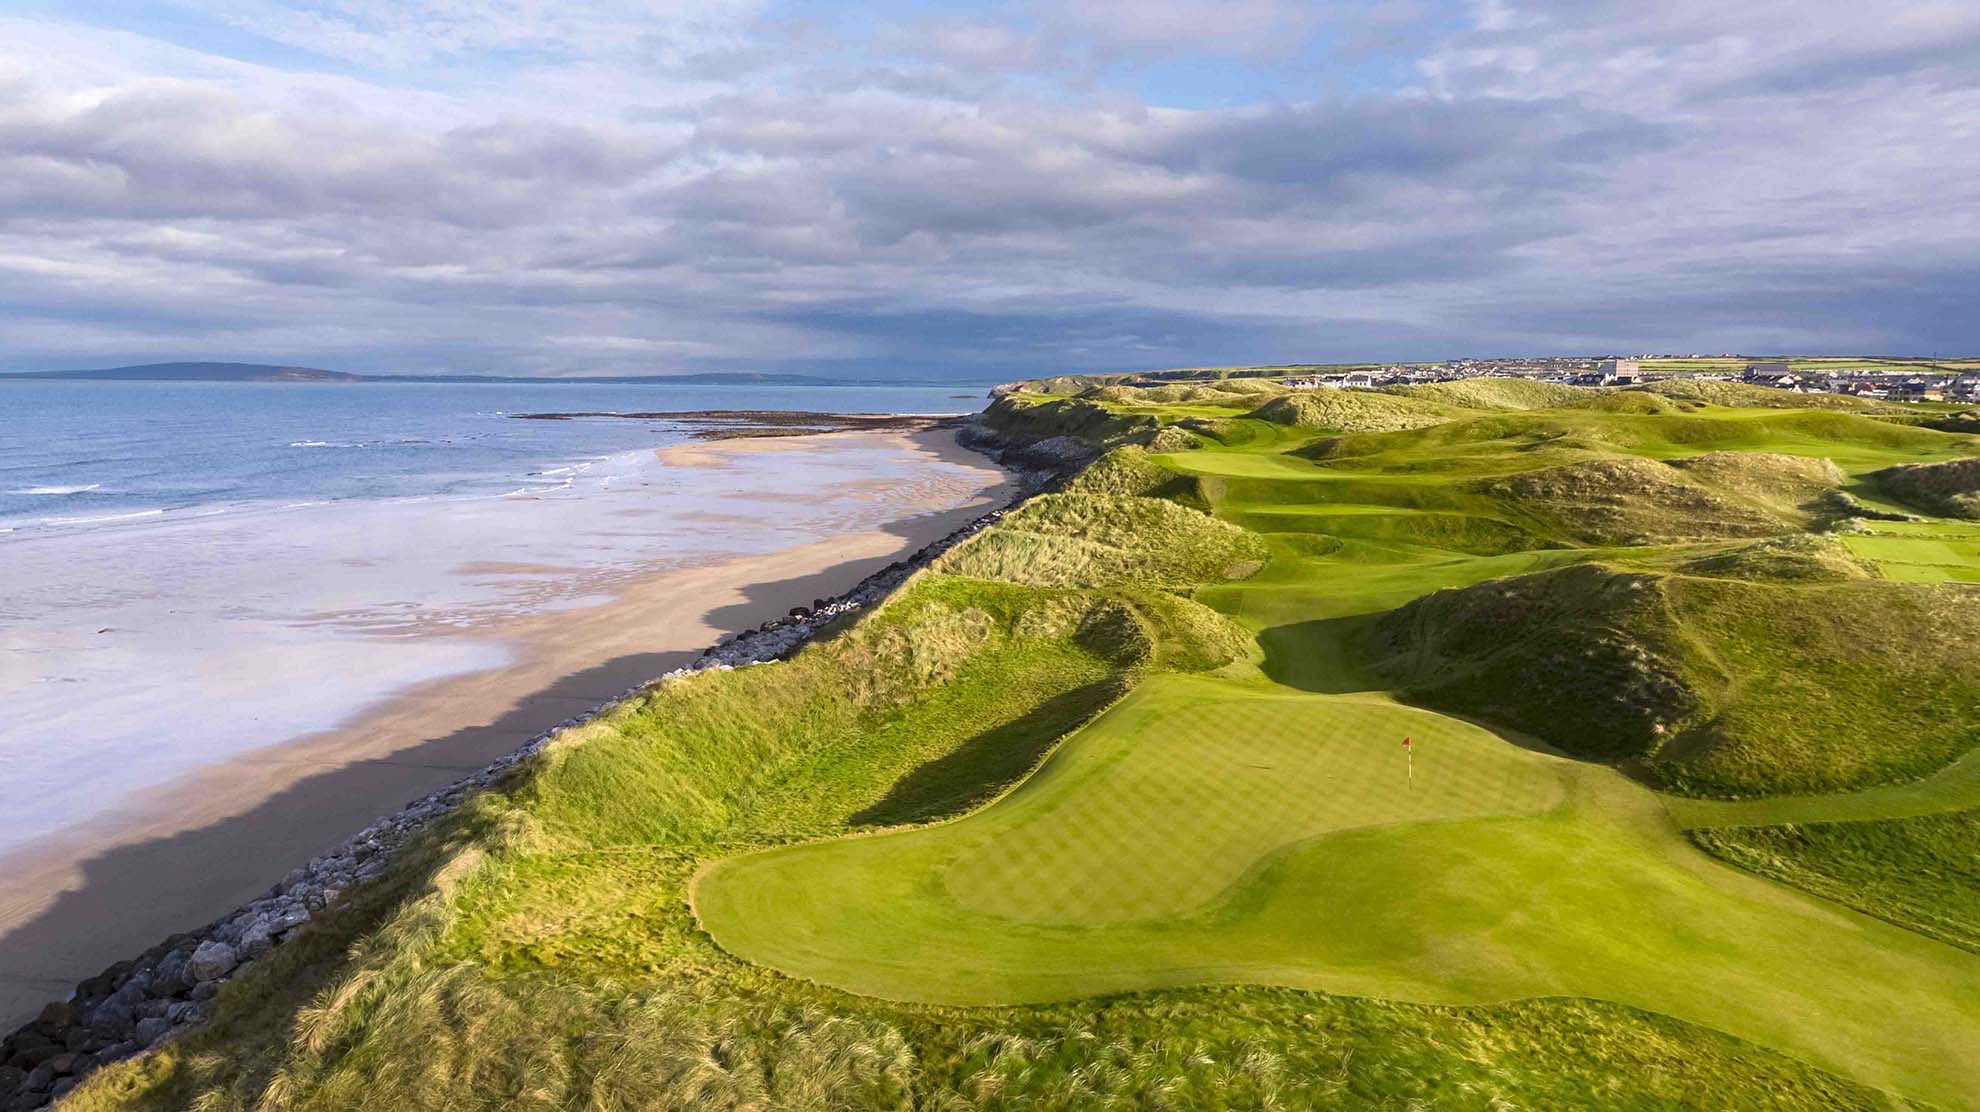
x,y
1409,767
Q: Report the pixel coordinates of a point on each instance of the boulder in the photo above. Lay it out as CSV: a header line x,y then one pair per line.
x,y
32,1050
112,1017
151,1030
212,961
170,978
57,1013
256,942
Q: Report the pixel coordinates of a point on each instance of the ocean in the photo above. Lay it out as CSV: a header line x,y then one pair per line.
x,y
189,571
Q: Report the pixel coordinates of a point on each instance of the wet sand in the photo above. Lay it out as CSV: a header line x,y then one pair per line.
x,y
177,857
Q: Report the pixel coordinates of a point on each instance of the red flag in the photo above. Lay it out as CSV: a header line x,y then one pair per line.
x,y
1406,744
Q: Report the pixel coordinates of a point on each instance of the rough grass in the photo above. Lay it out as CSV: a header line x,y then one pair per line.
x,y
1629,502
1095,540
1743,395
1074,418
1787,485
1353,411
1796,558
1498,393
1922,873
1950,489
1235,392
1716,687
549,958
1127,471
547,961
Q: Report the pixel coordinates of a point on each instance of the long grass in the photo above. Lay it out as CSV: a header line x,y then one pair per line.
x,y
538,949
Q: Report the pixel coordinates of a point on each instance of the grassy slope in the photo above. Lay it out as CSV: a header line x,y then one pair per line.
x,y
1716,686
1921,872
551,960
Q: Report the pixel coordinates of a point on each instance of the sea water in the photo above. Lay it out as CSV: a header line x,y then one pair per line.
x,y
192,570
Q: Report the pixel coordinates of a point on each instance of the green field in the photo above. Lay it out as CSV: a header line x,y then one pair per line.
x,y
1236,829
1110,808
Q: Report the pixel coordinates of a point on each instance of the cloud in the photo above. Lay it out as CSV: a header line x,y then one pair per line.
x,y
620,186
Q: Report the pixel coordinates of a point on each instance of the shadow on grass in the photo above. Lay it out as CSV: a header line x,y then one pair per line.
x,y
982,766
1319,656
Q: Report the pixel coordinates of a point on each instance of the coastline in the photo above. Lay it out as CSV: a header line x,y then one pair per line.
x,y
175,858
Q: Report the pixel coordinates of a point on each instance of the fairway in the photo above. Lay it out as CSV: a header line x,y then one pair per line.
x,y
1107,806
1278,841
1266,825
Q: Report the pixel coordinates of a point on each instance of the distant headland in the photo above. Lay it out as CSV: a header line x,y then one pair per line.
x,y
270,372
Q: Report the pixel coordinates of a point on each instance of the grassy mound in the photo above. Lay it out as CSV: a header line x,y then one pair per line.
x,y
1631,402
1797,558
1586,656
1497,393
1966,421
1950,489
1207,828
1628,501
1230,392
1353,411
1922,873
1123,471
1096,540
1175,816
1709,686
1788,485
1075,418
1712,392
1173,438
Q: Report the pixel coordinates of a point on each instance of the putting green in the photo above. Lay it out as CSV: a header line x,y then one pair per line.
x,y
1237,829
1210,830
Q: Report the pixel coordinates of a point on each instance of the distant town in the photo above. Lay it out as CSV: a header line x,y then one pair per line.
x,y
1902,380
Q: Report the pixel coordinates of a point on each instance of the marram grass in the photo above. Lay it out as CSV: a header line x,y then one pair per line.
x,y
1112,812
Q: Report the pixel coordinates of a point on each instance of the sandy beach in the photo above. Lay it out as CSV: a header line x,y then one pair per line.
x,y
174,858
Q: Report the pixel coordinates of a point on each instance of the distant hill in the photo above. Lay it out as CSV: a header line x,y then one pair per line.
x,y
203,372
266,372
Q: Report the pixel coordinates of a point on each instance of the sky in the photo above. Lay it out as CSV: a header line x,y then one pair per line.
x,y
967,191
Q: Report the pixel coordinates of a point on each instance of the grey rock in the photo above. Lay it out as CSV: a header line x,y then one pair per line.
x,y
289,917
151,1030
111,1018
153,1007
185,1012
212,961
170,978
256,942
40,1077
205,990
